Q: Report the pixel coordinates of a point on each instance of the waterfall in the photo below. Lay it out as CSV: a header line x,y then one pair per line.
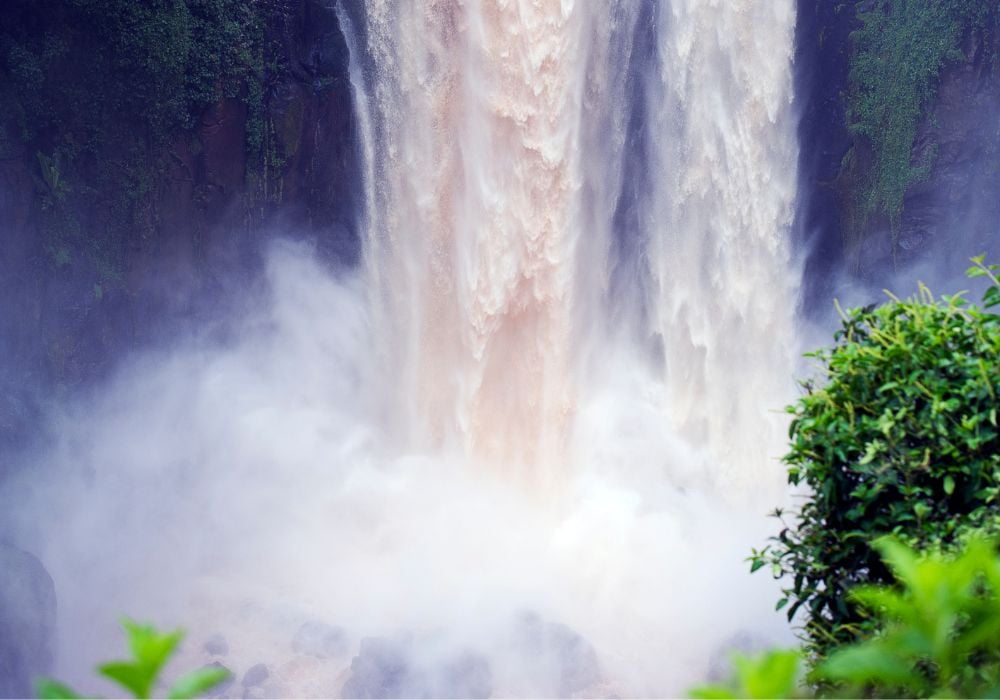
x,y
725,160
502,133
530,443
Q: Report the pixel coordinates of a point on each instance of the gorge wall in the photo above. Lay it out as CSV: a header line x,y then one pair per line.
x,y
942,181
149,152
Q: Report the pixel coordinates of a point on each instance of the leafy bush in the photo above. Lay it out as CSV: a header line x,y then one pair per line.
x,y
940,631
939,634
773,674
901,438
102,89
139,675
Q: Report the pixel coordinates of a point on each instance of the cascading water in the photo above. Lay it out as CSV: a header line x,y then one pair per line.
x,y
497,140
471,232
544,404
725,160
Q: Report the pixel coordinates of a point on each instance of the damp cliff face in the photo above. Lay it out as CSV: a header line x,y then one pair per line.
x,y
146,156
900,139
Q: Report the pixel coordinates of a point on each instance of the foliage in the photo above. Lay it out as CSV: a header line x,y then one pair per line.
x,y
940,630
158,63
901,438
939,634
773,674
101,89
151,650
899,52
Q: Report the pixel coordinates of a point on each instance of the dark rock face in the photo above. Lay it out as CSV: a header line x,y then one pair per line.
x,y
950,216
202,220
955,213
822,62
27,622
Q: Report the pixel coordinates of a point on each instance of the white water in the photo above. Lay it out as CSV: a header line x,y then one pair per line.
x,y
475,424
496,136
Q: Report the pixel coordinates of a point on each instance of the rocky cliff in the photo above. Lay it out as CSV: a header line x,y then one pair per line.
x,y
148,153
923,79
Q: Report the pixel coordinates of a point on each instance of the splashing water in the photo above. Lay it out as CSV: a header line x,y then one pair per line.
x,y
547,395
487,116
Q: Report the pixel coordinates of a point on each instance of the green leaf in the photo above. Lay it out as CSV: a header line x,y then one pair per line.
x,y
196,683
771,675
866,664
48,689
135,678
150,651
713,692
150,648
949,484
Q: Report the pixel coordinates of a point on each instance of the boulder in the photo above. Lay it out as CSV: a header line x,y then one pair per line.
x,y
255,676
558,660
386,668
27,621
380,670
216,645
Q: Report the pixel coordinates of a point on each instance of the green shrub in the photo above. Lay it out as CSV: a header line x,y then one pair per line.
x,y
140,675
899,438
939,634
939,630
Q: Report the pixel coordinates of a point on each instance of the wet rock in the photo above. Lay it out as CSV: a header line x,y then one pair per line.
x,y
320,640
380,670
559,660
255,676
385,668
217,645
27,621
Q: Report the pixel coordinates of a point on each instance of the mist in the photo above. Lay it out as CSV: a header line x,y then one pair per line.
x,y
245,487
526,446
